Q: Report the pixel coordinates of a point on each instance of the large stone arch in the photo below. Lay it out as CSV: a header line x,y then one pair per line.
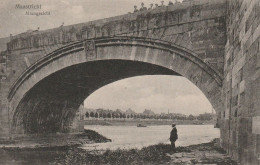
x,y
46,96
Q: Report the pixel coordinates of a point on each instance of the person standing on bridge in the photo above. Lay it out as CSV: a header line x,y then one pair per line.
x,y
173,136
142,8
135,9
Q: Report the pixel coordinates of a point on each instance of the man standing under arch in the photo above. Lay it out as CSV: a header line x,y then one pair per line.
x,y
173,136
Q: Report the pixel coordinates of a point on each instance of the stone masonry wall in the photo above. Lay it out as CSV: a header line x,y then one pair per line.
x,y
240,131
4,86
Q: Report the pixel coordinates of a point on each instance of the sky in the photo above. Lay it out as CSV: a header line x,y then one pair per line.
x,y
158,93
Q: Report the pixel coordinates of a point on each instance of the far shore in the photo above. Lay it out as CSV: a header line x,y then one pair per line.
x,y
146,122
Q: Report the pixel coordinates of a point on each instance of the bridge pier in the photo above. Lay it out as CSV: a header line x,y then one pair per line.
x,y
5,109
240,128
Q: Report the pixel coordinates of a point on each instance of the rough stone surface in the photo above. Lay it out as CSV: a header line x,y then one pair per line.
x,y
202,154
241,90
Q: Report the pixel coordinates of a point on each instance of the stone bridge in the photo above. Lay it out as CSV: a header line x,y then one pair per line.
x,y
46,75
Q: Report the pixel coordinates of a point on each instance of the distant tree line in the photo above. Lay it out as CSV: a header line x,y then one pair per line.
x,y
147,114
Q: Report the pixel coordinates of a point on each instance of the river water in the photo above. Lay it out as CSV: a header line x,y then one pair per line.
x,y
127,137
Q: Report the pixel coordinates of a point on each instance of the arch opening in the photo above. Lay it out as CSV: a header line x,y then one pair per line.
x,y
50,106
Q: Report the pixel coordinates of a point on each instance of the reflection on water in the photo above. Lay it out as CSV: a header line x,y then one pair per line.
x,y
125,137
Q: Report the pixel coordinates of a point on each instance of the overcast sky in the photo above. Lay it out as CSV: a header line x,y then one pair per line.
x,y
158,93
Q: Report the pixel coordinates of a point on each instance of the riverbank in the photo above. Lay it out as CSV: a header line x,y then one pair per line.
x,y
43,149
54,140
206,153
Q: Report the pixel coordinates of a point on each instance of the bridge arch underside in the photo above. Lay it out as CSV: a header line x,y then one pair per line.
x,y
46,97
51,105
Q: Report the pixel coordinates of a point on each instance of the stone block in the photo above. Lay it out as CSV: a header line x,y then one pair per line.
x,y
256,125
242,86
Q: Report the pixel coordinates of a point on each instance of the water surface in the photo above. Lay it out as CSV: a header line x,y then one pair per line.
x,y
127,137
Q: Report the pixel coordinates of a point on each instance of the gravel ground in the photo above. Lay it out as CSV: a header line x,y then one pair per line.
x,y
206,153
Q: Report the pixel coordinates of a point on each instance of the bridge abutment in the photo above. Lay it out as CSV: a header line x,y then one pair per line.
x,y
240,129
5,108
4,122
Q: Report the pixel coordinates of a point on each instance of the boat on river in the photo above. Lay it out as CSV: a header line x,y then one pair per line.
x,y
141,125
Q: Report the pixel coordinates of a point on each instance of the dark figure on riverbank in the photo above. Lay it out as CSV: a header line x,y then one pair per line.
x,y
173,136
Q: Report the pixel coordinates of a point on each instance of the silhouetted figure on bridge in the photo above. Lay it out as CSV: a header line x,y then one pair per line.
x,y
173,136
151,7
170,3
162,3
135,9
143,8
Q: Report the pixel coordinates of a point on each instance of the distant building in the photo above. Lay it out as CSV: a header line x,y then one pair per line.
x,y
129,111
148,112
